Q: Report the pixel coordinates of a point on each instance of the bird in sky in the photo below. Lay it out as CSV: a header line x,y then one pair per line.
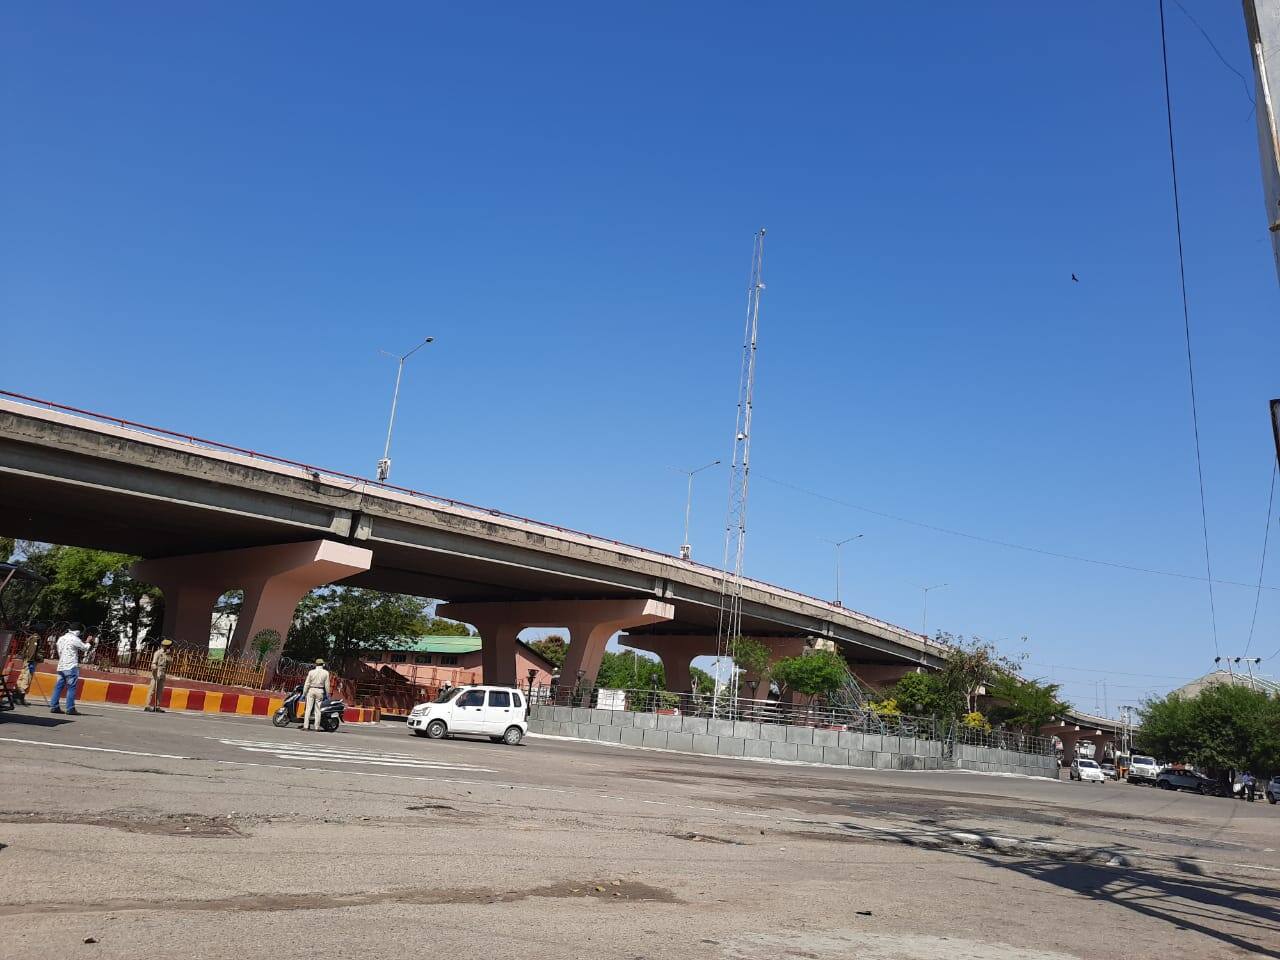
x,y
1075,278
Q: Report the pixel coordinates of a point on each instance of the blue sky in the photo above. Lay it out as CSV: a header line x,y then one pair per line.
x,y
214,216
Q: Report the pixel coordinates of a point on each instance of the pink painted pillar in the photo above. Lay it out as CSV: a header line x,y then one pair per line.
x,y
676,653
188,611
274,579
590,624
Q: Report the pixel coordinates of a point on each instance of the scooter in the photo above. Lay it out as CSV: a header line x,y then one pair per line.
x,y
330,712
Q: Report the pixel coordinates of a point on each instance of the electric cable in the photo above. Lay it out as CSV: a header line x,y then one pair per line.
x,y
1186,323
1262,565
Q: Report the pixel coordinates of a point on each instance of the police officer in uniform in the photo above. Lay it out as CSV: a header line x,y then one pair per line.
x,y
316,690
159,669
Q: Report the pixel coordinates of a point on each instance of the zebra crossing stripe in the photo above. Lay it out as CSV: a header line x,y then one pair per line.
x,y
313,752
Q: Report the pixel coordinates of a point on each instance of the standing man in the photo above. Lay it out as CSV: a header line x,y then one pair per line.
x,y
30,655
70,650
159,669
316,689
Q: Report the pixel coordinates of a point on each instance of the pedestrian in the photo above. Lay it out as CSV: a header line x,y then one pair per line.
x,y
159,669
316,689
70,649
1248,785
30,654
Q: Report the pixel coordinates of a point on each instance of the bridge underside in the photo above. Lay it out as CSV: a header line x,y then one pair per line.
x,y
69,484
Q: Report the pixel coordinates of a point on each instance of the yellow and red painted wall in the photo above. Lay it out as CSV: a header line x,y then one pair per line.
x,y
126,693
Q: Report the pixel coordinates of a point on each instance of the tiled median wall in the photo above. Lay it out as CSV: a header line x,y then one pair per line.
x,y
744,738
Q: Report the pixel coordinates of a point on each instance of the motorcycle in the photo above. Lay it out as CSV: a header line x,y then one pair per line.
x,y
289,712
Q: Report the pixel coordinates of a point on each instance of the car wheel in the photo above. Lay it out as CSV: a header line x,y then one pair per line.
x,y
513,736
280,718
1271,798
1164,785
436,729
1204,790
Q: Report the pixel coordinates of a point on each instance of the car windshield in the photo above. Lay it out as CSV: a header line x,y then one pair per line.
x,y
1145,761
1089,763
447,695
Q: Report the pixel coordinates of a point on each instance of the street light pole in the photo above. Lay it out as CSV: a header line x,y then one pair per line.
x,y
686,551
838,544
924,608
384,465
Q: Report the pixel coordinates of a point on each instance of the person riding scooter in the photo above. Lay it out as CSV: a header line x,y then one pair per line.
x,y
331,711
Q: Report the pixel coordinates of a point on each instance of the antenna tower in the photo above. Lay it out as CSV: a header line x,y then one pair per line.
x,y
735,525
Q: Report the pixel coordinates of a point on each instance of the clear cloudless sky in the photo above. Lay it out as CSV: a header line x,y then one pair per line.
x,y
213,216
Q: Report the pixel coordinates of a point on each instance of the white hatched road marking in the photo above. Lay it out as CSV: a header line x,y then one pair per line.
x,y
315,751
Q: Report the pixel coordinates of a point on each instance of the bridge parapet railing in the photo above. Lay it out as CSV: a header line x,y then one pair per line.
x,y
1000,739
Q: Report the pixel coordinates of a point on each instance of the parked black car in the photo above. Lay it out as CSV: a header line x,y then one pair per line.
x,y
1171,779
1273,789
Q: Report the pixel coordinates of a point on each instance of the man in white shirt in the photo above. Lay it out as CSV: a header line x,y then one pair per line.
x,y
70,649
316,689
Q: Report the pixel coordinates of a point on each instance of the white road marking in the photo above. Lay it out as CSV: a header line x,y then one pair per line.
x,y
72,746
327,754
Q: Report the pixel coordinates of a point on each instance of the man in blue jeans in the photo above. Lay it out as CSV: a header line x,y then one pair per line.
x,y
70,649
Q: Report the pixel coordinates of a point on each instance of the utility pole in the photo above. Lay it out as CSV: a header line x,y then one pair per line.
x,y
1248,665
686,551
838,544
735,526
384,465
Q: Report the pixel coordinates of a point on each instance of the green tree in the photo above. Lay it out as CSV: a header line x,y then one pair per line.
x,y
816,674
753,657
93,587
704,682
1025,705
971,663
1224,727
264,641
343,622
630,670
552,647
440,627
923,694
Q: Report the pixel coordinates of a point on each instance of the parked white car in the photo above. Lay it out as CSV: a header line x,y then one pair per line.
x,y
1083,770
1143,769
495,712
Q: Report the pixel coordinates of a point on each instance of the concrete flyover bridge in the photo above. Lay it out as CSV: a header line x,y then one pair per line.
x,y
208,518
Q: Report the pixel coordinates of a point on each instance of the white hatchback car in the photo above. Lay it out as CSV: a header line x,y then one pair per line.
x,y
495,712
1084,770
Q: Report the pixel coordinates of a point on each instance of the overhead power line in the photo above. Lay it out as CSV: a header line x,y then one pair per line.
x,y
995,542
1186,324
1248,88
1262,564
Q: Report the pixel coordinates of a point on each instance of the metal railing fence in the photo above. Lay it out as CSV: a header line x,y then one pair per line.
x,y
827,715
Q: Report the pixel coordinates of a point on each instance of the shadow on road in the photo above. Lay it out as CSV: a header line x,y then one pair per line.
x,y
8,717
1243,914
1235,913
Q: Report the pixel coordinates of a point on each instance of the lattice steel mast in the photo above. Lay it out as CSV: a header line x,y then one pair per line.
x,y
735,526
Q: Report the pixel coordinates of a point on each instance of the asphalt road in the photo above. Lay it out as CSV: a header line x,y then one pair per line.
x,y
206,836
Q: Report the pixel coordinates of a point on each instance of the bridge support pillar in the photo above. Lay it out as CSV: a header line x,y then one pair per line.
x,y
590,624
274,579
676,653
